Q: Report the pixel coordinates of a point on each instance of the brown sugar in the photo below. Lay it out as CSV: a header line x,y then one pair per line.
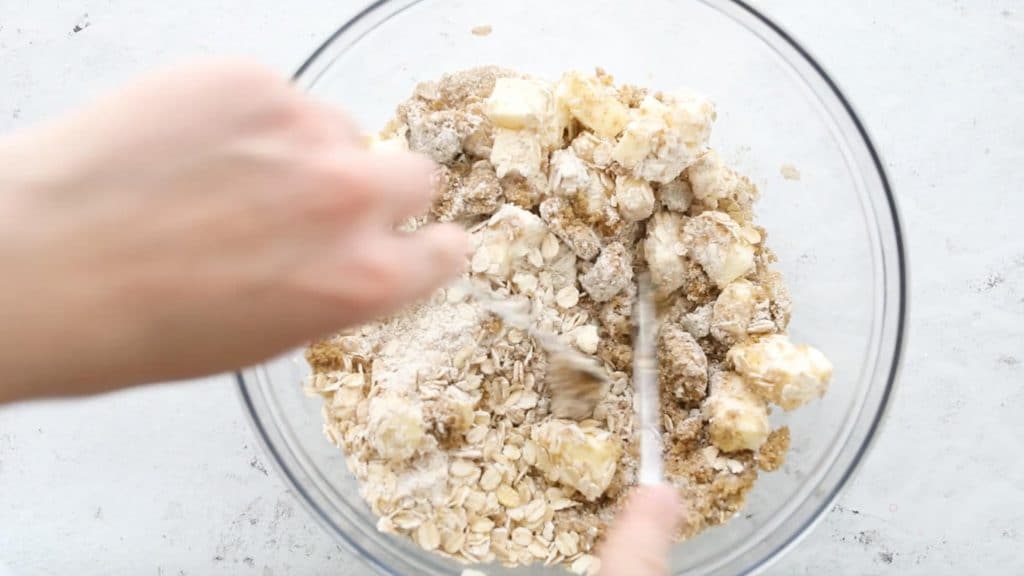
x,y
772,454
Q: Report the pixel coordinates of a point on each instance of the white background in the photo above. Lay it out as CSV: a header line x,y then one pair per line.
x,y
169,480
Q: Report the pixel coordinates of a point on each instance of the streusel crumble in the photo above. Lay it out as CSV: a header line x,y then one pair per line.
x,y
568,189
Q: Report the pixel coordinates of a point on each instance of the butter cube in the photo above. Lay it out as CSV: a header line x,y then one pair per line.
x,y
635,198
718,186
579,457
737,418
567,173
718,244
642,135
592,102
518,103
395,426
516,151
664,250
781,372
504,245
593,149
664,136
733,311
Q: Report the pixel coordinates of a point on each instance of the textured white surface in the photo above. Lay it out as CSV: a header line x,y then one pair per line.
x,y
169,480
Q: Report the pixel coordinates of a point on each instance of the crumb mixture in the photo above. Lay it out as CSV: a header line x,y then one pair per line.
x,y
789,172
568,189
482,30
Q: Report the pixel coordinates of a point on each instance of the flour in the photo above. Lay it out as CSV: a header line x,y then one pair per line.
x,y
415,344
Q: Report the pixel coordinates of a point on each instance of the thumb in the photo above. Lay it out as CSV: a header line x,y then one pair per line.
x,y
639,541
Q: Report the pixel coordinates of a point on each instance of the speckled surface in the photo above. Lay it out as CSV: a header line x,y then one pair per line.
x,y
170,481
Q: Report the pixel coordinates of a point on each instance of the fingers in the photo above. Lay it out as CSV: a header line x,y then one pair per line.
x,y
431,257
390,186
386,271
639,541
404,182
338,126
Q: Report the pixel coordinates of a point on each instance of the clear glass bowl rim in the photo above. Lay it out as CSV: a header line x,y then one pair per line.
x,y
776,37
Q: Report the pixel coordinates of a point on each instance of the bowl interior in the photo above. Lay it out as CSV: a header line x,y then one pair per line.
x,y
833,229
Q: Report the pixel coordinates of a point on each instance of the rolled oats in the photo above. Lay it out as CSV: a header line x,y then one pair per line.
x,y
538,549
428,536
586,565
453,541
490,479
476,501
508,497
567,297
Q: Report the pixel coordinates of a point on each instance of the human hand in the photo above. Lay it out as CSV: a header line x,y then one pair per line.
x,y
199,220
641,537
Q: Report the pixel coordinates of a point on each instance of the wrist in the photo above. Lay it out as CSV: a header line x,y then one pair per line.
x,y
61,331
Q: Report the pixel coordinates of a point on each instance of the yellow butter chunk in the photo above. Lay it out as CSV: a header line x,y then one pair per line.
x,y
577,457
720,187
718,244
396,427
733,310
592,102
509,242
516,151
781,372
737,418
665,135
567,174
518,103
664,250
634,197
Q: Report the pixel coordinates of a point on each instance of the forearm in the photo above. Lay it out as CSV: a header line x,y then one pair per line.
x,y
61,332
62,340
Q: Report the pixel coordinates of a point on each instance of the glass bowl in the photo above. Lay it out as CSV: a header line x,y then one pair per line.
x,y
835,231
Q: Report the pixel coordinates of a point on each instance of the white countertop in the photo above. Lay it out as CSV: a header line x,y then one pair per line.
x,y
170,481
